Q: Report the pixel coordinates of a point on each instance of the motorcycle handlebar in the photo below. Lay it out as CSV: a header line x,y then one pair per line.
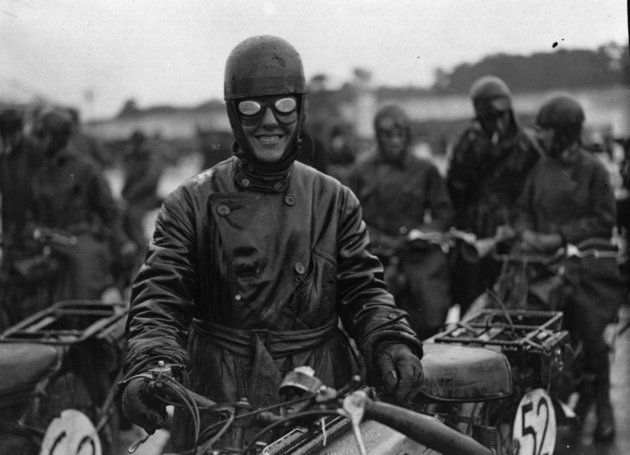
x,y
172,395
45,235
424,429
527,258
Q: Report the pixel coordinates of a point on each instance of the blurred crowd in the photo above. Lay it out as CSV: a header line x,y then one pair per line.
x,y
539,190
65,234
36,196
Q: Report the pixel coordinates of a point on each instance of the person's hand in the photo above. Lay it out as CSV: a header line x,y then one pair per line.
x,y
143,408
429,235
400,369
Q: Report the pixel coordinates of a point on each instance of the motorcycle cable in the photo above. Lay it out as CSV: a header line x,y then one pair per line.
x,y
208,431
180,392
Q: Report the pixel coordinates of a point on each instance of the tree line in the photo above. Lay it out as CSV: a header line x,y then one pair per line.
x,y
561,69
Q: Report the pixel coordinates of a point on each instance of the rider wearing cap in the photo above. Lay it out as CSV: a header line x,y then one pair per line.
x,y
401,195
568,199
486,174
72,197
254,262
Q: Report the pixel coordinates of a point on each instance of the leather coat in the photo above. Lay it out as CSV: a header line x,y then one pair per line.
x,y
576,200
396,197
486,179
246,279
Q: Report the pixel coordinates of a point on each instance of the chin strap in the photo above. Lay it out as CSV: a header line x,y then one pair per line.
x,y
252,176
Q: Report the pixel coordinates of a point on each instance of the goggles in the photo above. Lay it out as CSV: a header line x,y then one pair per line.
x,y
283,108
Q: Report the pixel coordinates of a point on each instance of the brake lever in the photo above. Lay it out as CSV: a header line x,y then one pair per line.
x,y
354,409
134,446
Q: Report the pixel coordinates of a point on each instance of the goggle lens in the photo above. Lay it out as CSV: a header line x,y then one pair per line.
x,y
281,106
249,107
285,105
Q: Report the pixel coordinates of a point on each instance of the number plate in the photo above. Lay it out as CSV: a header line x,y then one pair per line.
x,y
71,433
534,431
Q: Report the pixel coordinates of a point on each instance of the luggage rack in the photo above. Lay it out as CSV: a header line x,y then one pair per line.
x,y
68,322
508,330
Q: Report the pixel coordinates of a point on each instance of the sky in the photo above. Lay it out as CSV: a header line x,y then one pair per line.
x,y
96,54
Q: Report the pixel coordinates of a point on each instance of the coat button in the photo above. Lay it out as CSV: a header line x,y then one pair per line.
x,y
278,186
245,182
403,230
289,200
392,315
299,268
223,210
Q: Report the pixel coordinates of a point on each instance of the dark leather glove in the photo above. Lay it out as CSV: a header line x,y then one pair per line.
x,y
400,369
142,407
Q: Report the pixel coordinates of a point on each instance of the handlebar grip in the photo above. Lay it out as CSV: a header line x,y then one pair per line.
x,y
202,401
424,429
160,389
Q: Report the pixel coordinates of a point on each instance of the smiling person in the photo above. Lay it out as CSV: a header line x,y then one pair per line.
x,y
255,262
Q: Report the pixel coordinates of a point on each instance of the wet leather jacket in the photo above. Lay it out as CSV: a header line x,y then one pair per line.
x,y
279,265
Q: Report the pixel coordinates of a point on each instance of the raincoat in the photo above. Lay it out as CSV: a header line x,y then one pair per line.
x,y
397,197
576,200
73,198
484,180
248,278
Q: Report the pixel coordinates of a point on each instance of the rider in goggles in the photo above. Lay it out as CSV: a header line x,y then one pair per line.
x,y
284,109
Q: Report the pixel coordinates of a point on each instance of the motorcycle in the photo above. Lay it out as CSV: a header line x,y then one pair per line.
x,y
56,392
540,361
488,387
311,418
485,390
417,273
521,318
